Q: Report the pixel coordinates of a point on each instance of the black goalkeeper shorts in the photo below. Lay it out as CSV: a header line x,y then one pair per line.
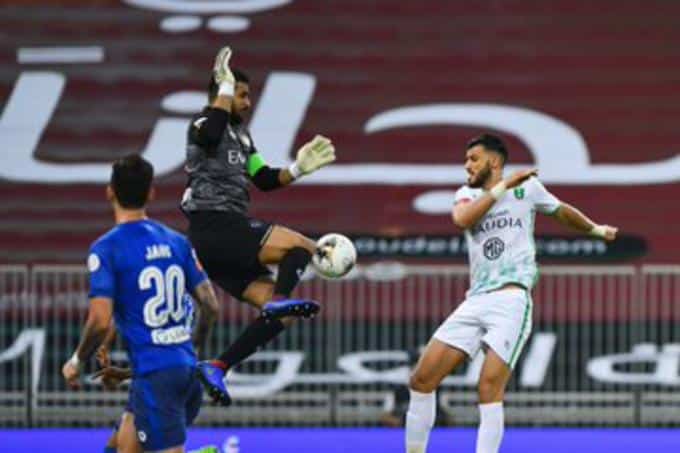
x,y
228,246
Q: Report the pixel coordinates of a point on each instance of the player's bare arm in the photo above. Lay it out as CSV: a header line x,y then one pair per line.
x,y
103,351
96,327
467,213
112,376
206,300
574,219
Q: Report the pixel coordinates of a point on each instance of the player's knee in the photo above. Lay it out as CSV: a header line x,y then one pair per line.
x,y
290,239
258,293
490,388
305,243
293,240
421,384
266,294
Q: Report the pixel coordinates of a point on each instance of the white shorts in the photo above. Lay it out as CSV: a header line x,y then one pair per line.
x,y
500,319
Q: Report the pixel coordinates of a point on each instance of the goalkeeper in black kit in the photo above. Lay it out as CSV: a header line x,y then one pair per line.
x,y
234,249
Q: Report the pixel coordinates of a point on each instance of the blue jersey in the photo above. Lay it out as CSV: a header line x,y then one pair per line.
x,y
146,268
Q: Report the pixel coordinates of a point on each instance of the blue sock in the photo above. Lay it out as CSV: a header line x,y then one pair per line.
x,y
109,450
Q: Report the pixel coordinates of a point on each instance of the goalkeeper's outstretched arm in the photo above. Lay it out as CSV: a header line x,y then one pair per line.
x,y
312,156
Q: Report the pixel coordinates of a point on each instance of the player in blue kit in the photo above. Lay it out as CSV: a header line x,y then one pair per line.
x,y
139,273
112,376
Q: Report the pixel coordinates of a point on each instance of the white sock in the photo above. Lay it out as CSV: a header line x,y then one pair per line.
x,y
490,431
419,420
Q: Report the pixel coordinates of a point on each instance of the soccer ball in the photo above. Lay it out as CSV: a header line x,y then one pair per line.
x,y
335,255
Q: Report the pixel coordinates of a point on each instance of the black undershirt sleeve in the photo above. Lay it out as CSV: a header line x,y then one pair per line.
x,y
208,128
267,179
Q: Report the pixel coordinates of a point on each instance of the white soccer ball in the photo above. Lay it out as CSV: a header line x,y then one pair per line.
x,y
335,256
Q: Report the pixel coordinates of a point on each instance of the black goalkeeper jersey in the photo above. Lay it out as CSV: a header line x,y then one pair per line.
x,y
218,173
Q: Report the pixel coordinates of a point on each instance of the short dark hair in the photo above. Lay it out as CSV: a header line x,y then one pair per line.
x,y
491,143
240,76
213,87
131,181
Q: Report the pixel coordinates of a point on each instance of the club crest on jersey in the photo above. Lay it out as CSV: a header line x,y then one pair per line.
x,y
493,248
519,193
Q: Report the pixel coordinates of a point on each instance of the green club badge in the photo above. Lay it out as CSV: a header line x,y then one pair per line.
x,y
519,193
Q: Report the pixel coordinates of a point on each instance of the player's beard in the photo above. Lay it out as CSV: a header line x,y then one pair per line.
x,y
236,118
480,179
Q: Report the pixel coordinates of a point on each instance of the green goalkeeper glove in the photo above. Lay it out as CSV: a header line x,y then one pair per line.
x,y
313,155
222,73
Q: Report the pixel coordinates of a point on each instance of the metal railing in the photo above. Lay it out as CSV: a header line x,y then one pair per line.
x,y
604,350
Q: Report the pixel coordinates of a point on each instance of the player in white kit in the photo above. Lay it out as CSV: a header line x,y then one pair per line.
x,y
498,218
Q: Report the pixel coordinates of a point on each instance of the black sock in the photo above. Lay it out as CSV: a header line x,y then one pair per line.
x,y
291,268
257,334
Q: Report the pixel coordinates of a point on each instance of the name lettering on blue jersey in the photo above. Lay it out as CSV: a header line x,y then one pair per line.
x,y
173,335
157,251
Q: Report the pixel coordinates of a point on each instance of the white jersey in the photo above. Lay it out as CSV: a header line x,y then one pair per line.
x,y
501,245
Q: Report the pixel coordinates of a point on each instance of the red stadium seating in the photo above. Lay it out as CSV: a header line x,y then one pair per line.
x,y
611,72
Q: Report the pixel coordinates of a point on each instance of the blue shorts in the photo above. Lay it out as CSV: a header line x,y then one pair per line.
x,y
164,403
